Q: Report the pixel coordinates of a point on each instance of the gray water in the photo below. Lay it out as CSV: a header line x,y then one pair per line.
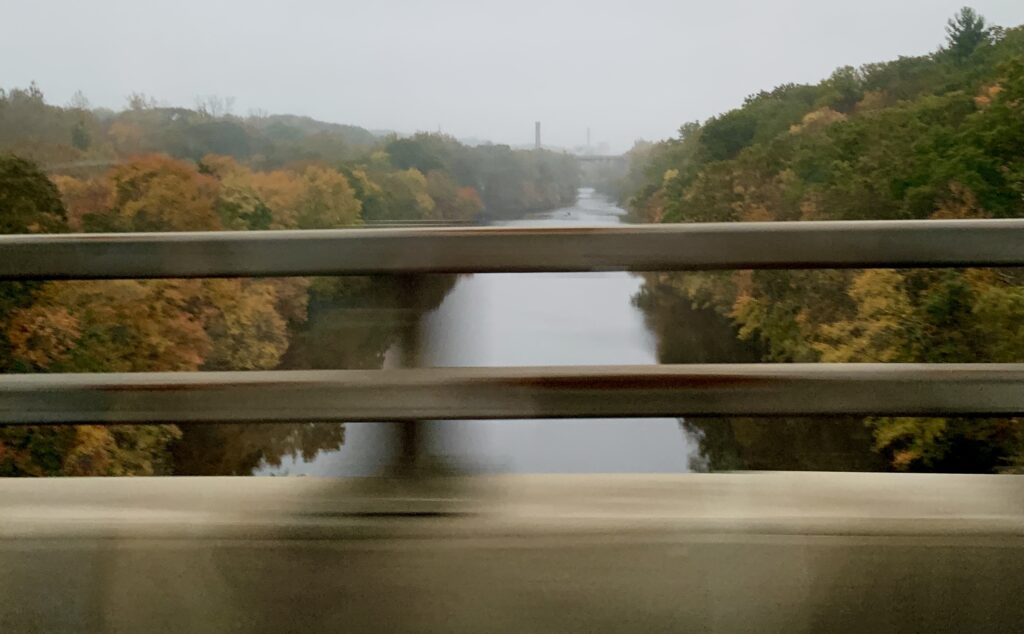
x,y
534,319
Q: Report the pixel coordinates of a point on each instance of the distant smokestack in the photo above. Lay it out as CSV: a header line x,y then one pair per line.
x,y
588,137
536,134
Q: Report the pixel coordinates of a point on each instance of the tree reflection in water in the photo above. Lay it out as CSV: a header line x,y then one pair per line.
x,y
687,334
352,323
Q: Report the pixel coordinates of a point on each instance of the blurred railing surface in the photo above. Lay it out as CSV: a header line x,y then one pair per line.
x,y
720,552
679,247
389,395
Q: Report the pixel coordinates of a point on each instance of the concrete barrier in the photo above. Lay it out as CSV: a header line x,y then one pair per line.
x,y
806,552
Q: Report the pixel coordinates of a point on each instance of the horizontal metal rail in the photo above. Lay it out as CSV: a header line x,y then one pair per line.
x,y
515,393
772,245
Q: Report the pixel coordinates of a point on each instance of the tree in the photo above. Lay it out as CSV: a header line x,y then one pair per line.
x,y
121,325
405,193
327,200
282,192
451,201
937,140
843,90
29,202
158,193
80,138
242,321
965,31
316,198
239,204
423,152
79,101
140,101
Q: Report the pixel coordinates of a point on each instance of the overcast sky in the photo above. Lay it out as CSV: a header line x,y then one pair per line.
x,y
474,68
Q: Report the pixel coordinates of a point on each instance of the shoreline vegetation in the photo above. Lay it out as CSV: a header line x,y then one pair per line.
x,y
934,136
152,168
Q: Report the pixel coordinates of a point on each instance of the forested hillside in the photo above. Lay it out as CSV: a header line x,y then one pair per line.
x,y
73,169
79,141
935,136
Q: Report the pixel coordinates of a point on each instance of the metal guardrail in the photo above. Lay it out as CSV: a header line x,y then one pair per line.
x,y
820,389
755,245
510,393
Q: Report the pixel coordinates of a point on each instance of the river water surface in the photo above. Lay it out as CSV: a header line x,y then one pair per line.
x,y
534,319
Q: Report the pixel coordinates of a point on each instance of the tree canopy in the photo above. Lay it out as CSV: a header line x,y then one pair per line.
x,y
938,136
151,168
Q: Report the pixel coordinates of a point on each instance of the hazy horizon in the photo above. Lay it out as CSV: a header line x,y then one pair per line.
x,y
476,70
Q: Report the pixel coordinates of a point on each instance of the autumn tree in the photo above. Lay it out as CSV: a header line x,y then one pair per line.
x,y
452,202
327,200
405,195
913,138
29,203
84,198
158,193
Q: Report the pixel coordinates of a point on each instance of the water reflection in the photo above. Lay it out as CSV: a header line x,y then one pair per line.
x,y
553,319
534,319
691,335
353,323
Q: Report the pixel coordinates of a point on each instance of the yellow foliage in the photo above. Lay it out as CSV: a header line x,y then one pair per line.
x,y
282,191
158,193
817,119
878,331
43,335
999,304
872,100
811,208
223,166
910,440
245,329
318,198
112,326
987,95
328,200
120,450
755,213
960,203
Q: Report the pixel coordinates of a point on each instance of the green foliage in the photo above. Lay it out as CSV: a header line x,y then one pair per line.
x,y
86,450
29,202
423,152
965,32
930,137
843,90
80,138
508,182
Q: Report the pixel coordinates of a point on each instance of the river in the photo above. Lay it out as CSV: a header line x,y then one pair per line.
x,y
500,319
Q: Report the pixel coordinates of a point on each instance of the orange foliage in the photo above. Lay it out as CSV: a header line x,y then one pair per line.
x,y
43,334
158,193
82,198
112,326
282,191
